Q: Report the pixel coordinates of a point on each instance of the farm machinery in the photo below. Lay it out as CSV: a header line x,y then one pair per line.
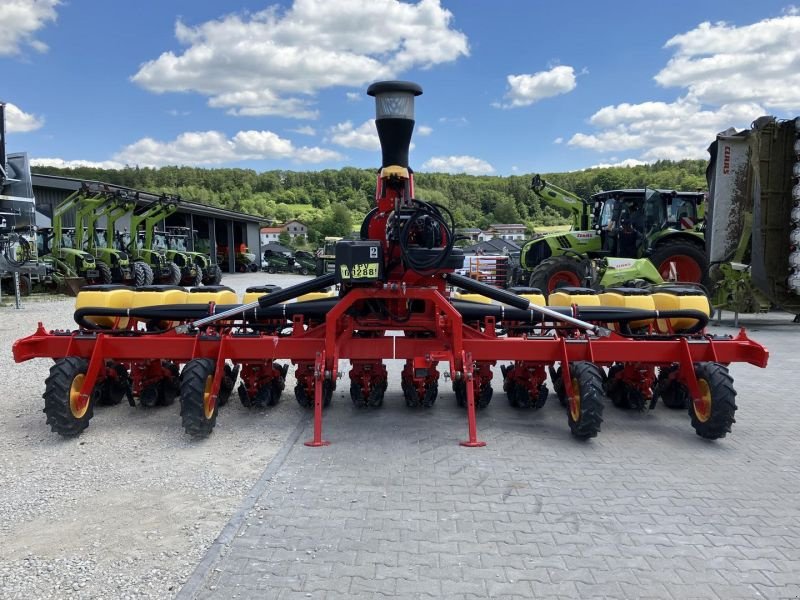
x,y
753,241
661,229
398,298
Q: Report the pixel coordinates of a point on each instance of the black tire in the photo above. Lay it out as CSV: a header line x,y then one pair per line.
x,y
428,398
520,397
170,387
673,394
228,383
372,400
174,277
585,409
713,421
303,271
216,275
621,394
552,273
683,248
114,389
271,270
139,274
105,271
198,277
64,416
482,400
197,413
148,273
558,386
306,401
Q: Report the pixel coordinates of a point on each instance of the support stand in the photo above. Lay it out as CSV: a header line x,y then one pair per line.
x,y
319,371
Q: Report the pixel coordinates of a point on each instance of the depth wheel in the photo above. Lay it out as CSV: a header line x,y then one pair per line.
x,y
114,389
198,408
520,397
673,394
713,413
482,399
228,383
585,406
66,414
306,401
616,390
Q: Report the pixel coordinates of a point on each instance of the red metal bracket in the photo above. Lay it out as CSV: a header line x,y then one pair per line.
x,y
472,427
319,378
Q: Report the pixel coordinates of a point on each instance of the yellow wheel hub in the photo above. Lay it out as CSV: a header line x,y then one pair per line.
x,y
208,402
575,401
77,405
702,406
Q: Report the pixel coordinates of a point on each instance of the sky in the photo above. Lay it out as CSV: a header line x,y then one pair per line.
x,y
509,86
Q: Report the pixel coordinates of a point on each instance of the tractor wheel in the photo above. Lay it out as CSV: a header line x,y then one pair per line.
x,y
713,413
585,407
306,401
270,269
148,273
216,275
198,408
198,278
556,272
303,271
139,274
174,277
105,272
65,412
113,389
691,264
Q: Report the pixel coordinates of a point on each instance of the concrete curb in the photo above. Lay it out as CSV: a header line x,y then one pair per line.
x,y
202,571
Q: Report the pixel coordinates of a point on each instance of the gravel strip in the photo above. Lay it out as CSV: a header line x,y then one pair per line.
x,y
128,508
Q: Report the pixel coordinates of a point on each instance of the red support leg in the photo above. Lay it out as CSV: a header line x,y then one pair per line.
x,y
319,372
472,426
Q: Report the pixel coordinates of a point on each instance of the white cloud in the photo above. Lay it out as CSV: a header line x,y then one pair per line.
x,y
730,76
354,97
363,137
20,20
458,164
423,130
304,130
214,147
273,62
524,90
74,164
18,121
558,140
458,121
628,162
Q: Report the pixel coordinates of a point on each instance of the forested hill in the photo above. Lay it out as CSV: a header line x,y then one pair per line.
x,y
332,202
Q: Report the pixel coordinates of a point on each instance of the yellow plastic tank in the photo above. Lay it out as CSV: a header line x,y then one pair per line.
x,y
253,293
159,295
316,296
567,296
467,297
218,294
531,294
680,298
105,296
634,298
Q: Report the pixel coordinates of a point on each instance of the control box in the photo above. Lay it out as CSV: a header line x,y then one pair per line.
x,y
359,261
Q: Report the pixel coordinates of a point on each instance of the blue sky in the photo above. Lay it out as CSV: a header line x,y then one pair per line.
x,y
510,86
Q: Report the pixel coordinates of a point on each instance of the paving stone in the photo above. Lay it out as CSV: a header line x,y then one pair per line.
x,y
396,508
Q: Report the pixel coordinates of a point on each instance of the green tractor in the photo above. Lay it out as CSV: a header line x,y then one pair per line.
x,y
89,210
177,241
662,226
59,249
150,245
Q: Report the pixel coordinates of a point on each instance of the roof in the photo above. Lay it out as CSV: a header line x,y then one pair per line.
x,y
275,247
72,184
295,221
272,230
507,226
641,191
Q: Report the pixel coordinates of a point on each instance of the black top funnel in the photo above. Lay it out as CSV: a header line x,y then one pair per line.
x,y
394,118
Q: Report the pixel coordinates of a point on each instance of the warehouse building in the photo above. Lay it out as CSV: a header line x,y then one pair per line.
x,y
220,227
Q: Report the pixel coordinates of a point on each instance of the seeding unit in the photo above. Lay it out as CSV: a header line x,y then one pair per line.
x,y
398,298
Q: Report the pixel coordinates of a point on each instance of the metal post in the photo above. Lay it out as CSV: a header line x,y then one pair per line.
x,y
319,374
231,248
472,427
17,299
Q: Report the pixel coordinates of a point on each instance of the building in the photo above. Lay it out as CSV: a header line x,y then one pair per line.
x,y
507,231
295,228
214,227
270,234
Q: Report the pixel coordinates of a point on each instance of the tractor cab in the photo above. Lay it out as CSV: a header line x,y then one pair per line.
x,y
177,238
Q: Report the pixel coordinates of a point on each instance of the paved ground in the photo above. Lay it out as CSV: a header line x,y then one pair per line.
x,y
395,508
